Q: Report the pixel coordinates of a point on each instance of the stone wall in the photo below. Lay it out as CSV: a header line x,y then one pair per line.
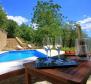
x,y
3,39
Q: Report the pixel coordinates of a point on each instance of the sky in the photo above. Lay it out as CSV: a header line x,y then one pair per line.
x,y
21,11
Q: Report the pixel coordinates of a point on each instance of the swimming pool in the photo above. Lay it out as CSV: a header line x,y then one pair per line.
x,y
19,55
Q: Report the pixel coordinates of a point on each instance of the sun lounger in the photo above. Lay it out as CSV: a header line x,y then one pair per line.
x,y
18,47
23,45
29,46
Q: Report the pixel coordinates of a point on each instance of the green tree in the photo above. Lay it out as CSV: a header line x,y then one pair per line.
x,y
69,34
3,18
48,18
11,27
25,32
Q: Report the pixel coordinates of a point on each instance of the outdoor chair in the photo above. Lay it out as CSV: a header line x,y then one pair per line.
x,y
18,47
29,46
23,45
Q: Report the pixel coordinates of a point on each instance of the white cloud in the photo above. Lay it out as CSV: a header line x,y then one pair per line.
x,y
18,19
34,25
85,23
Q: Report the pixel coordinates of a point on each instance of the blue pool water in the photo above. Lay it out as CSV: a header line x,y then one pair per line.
x,y
18,55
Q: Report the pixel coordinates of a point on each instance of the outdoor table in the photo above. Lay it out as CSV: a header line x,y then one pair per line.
x,y
72,75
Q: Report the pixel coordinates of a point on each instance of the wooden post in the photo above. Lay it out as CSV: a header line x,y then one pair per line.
x,y
28,79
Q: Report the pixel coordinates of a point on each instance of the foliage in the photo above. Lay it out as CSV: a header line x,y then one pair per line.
x,y
3,18
11,27
48,18
46,13
25,32
68,49
69,34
